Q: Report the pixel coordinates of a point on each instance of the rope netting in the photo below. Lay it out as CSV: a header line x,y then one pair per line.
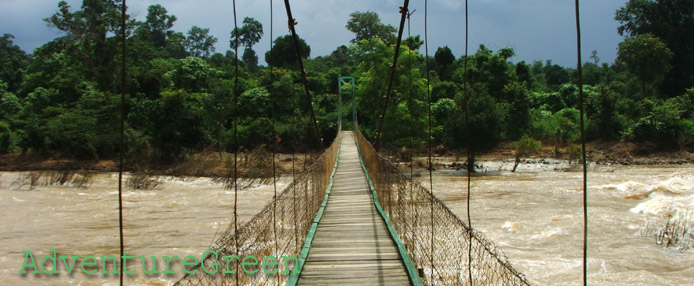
x,y
292,212
409,205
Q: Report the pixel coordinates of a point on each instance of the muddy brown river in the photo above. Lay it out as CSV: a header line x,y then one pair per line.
x,y
534,215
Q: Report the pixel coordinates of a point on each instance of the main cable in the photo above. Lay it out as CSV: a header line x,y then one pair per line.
x,y
583,146
403,11
292,23
122,138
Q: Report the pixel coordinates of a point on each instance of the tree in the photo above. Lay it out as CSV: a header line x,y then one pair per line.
x,y
283,52
192,74
159,25
249,34
367,25
413,42
87,31
672,22
525,146
555,74
250,59
484,121
199,43
646,57
444,58
524,75
13,62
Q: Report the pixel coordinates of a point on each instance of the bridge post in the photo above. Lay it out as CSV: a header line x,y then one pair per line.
x,y
341,80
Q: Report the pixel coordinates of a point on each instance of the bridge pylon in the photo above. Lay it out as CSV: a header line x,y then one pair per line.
x,y
351,83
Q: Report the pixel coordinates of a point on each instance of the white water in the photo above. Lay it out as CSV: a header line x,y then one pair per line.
x,y
180,217
536,217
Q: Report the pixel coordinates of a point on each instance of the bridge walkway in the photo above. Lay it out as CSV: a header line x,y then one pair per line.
x,y
352,245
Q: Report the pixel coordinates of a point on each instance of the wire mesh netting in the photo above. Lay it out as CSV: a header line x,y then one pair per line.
x,y
278,230
436,239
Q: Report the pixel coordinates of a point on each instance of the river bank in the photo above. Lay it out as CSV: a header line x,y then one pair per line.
x,y
215,164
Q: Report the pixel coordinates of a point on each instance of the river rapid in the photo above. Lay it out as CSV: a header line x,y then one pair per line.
x,y
536,217
533,215
179,217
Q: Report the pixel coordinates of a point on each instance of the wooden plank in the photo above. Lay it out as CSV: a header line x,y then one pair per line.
x,y
352,245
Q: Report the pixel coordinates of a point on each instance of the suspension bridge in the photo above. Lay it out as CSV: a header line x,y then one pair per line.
x,y
353,217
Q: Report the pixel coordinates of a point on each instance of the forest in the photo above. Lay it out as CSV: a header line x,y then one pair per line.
x,y
63,100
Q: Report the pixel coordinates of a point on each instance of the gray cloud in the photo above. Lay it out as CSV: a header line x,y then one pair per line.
x,y
536,29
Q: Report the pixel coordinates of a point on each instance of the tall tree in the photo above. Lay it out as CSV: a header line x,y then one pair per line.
x,y
159,25
646,57
249,34
88,30
13,62
413,42
284,54
199,42
367,25
672,21
444,58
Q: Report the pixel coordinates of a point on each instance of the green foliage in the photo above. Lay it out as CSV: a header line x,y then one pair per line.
x,y
158,25
574,152
199,42
367,25
192,74
180,123
62,101
646,57
256,103
568,125
284,54
13,62
526,146
6,140
444,59
543,125
668,20
662,125
249,34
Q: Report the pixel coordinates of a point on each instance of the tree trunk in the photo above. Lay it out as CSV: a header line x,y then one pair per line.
x,y
515,165
643,89
471,164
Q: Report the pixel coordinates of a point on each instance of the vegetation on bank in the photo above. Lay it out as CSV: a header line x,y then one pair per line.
x,y
62,101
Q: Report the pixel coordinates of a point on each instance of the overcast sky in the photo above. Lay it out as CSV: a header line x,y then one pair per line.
x,y
535,29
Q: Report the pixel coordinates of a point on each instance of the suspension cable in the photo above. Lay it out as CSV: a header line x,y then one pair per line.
x,y
236,129
467,146
403,11
122,138
583,145
292,23
409,84
431,180
274,149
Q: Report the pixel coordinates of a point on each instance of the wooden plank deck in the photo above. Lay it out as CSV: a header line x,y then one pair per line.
x,y
352,245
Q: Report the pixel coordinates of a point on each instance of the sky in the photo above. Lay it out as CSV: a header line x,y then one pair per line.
x,y
537,30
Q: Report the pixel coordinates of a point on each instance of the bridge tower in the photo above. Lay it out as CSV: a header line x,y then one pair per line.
x,y
349,89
